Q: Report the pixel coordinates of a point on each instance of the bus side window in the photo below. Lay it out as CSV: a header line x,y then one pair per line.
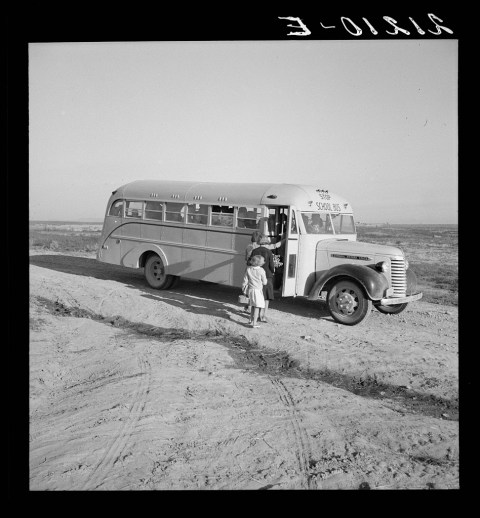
x,y
222,216
133,209
197,214
247,217
116,208
174,211
154,210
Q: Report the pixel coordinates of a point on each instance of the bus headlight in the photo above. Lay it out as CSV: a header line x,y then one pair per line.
x,y
383,266
406,264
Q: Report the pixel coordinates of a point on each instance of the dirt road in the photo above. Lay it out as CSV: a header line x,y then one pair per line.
x,y
133,388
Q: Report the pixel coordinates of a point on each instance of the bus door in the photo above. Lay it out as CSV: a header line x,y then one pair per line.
x,y
290,260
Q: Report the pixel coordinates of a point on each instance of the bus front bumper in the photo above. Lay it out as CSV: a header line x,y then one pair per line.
x,y
390,301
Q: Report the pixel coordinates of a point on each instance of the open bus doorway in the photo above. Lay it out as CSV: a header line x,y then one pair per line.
x,y
276,230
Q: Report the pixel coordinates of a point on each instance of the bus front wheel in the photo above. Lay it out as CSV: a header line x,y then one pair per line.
x,y
155,273
347,303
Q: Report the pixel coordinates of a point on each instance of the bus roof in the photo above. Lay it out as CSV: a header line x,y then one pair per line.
x,y
304,197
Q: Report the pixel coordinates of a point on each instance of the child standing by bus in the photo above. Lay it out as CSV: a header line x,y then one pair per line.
x,y
256,235
269,267
253,282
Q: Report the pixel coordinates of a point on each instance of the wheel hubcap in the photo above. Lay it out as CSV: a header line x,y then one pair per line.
x,y
158,271
347,302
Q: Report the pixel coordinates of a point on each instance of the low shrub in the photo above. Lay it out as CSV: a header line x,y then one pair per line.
x,y
71,242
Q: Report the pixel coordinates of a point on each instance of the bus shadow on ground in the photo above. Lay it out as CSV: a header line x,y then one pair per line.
x,y
193,296
196,305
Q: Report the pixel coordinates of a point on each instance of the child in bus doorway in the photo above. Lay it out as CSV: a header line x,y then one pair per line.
x,y
253,283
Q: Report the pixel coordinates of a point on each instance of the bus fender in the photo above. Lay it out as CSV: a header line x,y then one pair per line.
x,y
132,257
374,282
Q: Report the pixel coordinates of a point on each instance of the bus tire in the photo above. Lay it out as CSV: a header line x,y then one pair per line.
x,y
347,303
155,275
395,309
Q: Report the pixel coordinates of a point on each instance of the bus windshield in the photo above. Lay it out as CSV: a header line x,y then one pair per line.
x,y
343,223
316,223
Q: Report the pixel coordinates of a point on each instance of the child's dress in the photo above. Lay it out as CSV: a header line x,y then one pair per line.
x,y
254,280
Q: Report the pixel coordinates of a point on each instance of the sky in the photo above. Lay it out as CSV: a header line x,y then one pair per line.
x,y
374,121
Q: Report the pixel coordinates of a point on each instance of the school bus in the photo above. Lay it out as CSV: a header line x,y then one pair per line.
x,y
200,230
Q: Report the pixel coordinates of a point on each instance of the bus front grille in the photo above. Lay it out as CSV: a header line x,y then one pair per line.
x,y
399,277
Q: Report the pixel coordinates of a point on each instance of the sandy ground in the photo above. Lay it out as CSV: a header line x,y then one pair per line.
x,y
137,389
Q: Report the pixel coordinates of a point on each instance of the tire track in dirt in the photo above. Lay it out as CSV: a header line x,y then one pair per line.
x,y
302,441
223,456
227,454
115,449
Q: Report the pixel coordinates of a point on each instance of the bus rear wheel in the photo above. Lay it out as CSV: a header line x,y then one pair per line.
x,y
155,275
347,303
394,309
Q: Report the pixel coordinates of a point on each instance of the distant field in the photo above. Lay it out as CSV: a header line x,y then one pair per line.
x,y
64,235
432,250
